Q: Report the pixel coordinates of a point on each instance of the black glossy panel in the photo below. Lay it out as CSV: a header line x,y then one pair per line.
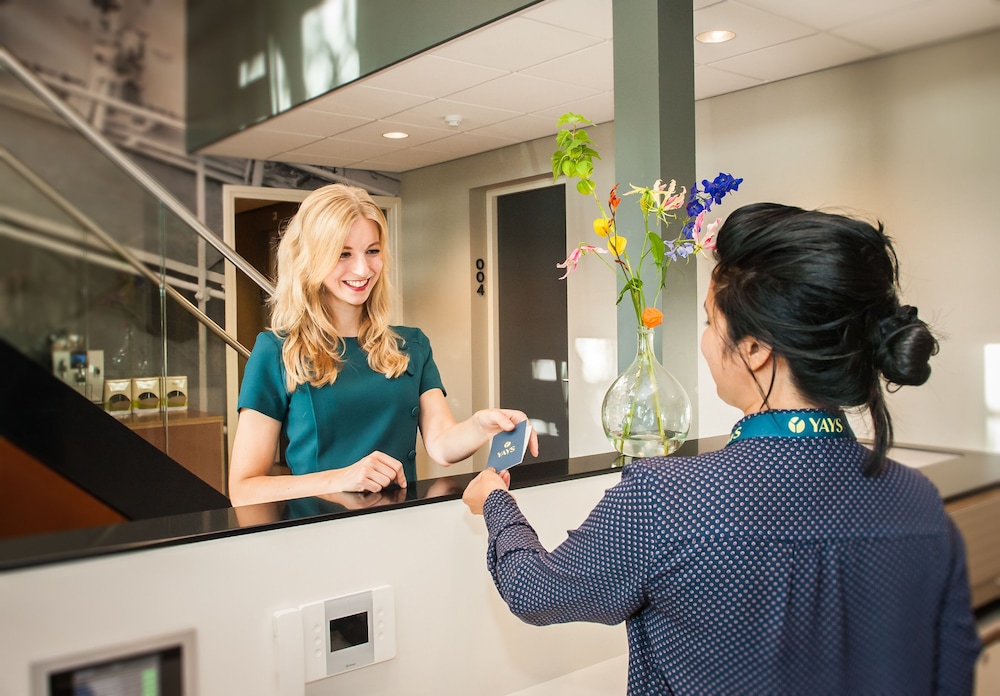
x,y
59,427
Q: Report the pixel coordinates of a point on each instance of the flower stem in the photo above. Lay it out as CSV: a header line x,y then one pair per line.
x,y
645,357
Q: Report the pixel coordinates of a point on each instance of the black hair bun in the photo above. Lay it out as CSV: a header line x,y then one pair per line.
x,y
905,347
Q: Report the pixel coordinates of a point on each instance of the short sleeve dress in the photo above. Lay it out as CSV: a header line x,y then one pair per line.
x,y
333,426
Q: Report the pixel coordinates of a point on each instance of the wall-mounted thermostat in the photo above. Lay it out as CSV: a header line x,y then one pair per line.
x,y
348,632
162,665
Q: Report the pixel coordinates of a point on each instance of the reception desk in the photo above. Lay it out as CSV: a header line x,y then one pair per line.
x,y
968,481
224,574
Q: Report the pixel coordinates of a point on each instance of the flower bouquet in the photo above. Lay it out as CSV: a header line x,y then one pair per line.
x,y
646,411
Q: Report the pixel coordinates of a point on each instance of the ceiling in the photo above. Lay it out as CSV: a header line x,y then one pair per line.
x,y
510,81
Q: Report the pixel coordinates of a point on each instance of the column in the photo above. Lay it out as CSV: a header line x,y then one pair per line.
x,y
655,139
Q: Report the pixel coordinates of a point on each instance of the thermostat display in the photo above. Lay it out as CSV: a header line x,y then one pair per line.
x,y
348,632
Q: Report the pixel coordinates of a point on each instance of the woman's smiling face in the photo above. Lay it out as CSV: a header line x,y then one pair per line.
x,y
351,281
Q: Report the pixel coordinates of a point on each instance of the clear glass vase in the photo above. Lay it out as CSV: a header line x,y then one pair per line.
x,y
646,412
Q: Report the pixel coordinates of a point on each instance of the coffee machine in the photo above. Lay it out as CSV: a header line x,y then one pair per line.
x,y
78,367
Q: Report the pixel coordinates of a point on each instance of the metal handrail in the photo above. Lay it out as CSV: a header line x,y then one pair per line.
x,y
141,177
70,240
123,252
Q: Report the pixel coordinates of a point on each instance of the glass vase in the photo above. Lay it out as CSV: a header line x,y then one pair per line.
x,y
646,411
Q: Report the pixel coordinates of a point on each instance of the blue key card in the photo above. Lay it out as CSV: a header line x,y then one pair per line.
x,y
507,448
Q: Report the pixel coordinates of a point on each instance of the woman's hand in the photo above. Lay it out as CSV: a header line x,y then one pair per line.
x,y
498,420
480,487
448,442
371,474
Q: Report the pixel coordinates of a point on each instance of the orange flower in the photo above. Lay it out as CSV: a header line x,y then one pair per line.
x,y
651,317
613,199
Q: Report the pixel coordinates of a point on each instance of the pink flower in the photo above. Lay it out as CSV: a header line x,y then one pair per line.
x,y
706,243
667,196
675,202
574,257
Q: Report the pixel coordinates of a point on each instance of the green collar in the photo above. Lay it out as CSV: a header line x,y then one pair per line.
x,y
805,423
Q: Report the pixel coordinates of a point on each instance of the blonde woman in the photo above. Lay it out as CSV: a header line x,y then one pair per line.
x,y
348,391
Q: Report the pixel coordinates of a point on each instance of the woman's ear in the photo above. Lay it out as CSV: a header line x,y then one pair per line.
x,y
755,353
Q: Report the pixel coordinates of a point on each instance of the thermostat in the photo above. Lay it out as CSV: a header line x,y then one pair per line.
x,y
345,633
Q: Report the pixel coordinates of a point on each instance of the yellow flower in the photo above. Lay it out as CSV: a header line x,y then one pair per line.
x,y
651,317
602,227
616,245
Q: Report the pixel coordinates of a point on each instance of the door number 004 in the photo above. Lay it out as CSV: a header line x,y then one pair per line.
x,y
480,277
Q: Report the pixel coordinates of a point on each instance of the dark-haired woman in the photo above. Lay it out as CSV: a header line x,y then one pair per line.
x,y
794,560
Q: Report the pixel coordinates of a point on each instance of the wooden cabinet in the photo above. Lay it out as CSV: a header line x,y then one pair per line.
x,y
38,500
193,439
978,518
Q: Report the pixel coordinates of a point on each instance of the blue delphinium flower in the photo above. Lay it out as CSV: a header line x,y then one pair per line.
x,y
714,191
684,249
720,186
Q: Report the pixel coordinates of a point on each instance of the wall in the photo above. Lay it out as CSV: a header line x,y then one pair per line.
x,y
910,139
441,241
454,636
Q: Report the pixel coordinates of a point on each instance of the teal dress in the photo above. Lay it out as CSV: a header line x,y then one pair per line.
x,y
336,425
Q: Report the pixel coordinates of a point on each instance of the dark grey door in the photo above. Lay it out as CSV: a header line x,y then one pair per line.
x,y
531,240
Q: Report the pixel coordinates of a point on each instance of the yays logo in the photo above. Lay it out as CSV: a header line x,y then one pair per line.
x,y
508,448
826,424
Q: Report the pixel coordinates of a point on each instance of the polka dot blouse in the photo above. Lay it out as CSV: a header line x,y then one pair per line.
x,y
772,566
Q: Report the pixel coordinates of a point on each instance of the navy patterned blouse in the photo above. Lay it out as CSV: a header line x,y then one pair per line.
x,y
772,566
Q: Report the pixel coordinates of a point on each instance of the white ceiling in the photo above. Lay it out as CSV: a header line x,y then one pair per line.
x,y
511,80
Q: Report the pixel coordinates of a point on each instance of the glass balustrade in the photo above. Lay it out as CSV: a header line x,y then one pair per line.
x,y
110,287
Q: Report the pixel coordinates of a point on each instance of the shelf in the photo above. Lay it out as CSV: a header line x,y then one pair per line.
x,y
194,439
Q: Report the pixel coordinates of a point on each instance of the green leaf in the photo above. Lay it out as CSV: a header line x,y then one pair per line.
x,y
658,248
621,295
557,158
584,169
585,186
570,117
567,167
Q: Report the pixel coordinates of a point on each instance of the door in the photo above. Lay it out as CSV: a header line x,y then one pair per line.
x,y
257,233
531,314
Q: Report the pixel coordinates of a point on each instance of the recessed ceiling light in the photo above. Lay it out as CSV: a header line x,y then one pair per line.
x,y
395,135
715,36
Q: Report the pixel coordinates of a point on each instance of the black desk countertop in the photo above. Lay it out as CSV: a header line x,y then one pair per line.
x,y
959,473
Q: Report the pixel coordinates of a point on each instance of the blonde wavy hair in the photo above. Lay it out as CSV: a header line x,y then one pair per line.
x,y
309,250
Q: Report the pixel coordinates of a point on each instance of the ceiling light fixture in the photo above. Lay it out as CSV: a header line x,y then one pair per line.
x,y
395,135
453,120
715,36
